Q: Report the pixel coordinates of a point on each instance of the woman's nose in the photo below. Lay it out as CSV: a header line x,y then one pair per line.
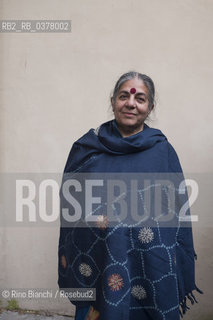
x,y
131,101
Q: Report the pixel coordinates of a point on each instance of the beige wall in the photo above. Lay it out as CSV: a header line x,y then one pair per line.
x,y
54,87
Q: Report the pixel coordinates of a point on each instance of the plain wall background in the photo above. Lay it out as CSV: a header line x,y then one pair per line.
x,y
56,86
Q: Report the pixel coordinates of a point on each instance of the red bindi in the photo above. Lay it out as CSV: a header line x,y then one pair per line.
x,y
132,90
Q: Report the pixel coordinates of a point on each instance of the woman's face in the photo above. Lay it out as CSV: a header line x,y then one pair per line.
x,y
131,107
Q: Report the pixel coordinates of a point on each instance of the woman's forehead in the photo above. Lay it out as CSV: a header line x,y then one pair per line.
x,y
134,85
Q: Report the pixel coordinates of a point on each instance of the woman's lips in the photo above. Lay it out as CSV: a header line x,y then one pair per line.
x,y
129,114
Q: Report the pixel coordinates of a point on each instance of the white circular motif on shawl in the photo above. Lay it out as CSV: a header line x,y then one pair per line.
x,y
139,292
146,235
85,269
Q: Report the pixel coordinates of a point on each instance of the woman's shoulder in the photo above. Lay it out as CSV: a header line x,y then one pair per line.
x,y
168,150
174,162
94,132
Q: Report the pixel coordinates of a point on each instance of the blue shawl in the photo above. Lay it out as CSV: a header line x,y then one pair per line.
x,y
141,272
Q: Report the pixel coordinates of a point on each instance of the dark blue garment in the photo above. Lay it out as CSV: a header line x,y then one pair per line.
x,y
139,272
81,313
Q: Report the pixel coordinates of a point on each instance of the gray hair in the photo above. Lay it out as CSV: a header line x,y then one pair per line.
x,y
131,75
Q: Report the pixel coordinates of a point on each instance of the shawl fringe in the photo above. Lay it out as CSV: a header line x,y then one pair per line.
x,y
191,297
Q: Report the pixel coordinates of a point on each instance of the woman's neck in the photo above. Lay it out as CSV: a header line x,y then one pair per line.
x,y
129,131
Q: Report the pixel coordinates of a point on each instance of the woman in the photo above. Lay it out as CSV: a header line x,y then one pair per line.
x,y
140,269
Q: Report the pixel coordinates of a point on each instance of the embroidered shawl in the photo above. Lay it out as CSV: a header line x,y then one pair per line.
x,y
139,272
